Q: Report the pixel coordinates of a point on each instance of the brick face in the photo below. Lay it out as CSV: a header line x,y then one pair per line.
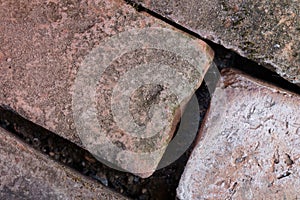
x,y
261,30
27,174
249,144
43,45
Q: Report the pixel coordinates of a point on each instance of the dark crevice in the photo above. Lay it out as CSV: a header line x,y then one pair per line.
x,y
262,73
71,155
226,57
161,185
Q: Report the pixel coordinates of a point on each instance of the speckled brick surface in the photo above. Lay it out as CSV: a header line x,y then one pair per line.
x,y
43,45
265,31
249,145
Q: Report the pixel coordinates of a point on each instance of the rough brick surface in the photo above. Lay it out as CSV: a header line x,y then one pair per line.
x,y
43,45
27,174
249,146
265,31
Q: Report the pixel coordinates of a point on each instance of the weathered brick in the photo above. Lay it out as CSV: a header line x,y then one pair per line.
x,y
249,145
265,31
43,46
27,174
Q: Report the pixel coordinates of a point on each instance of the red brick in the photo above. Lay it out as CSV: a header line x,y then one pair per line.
x,y
44,45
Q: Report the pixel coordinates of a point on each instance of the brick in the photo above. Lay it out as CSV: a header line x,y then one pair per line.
x,y
265,31
28,174
44,46
249,145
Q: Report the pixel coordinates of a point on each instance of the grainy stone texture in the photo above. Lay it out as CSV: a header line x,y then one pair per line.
x,y
250,148
27,174
42,47
265,31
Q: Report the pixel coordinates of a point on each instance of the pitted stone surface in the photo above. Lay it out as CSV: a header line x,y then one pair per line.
x,y
249,145
265,31
43,45
27,174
